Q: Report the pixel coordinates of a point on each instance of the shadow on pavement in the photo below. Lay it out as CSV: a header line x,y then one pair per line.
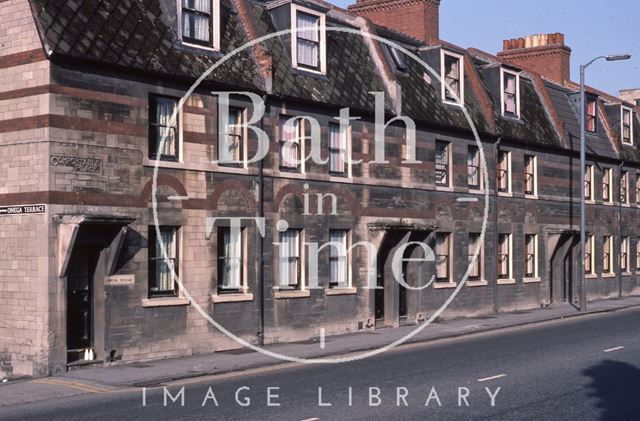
x,y
616,386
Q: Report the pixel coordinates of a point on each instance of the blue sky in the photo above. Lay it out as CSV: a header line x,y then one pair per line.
x,y
592,28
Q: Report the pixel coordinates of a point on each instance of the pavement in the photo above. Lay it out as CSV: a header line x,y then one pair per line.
x,y
580,368
97,380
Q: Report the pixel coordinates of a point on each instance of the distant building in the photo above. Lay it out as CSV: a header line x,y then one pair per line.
x,y
87,90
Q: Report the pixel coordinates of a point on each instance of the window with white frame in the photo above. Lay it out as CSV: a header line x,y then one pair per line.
x,y
338,259
591,115
627,125
230,260
442,164
473,167
164,134
607,182
443,252
510,83
531,256
308,39
624,254
339,153
200,22
504,256
624,187
291,259
231,146
588,182
530,175
161,269
607,254
452,76
589,255
475,274
637,253
504,172
291,139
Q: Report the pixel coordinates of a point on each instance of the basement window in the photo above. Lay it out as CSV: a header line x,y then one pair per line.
x,y
510,88
308,39
200,23
452,77
627,125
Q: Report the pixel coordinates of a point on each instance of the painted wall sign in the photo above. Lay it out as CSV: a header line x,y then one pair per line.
x,y
89,165
120,280
22,210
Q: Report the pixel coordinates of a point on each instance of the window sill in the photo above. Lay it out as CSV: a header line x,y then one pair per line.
x,y
590,202
532,280
505,194
444,285
627,274
591,276
506,281
283,295
607,203
163,164
340,291
231,298
164,302
477,283
531,196
444,188
626,205
475,191
608,275
453,103
200,46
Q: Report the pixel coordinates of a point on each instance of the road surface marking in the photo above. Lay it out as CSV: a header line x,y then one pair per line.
x,y
311,419
486,379
321,339
178,198
73,385
618,348
467,199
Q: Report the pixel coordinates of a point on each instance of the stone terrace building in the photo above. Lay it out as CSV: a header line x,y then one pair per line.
x,y
87,89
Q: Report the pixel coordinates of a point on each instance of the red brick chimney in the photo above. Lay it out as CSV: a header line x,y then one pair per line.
x,y
417,18
543,53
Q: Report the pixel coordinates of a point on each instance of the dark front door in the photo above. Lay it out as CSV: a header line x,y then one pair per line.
x,y
82,266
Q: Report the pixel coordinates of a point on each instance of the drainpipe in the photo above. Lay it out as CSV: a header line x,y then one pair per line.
x,y
496,150
261,238
619,219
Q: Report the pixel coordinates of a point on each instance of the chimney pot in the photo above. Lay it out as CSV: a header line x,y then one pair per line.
x,y
546,54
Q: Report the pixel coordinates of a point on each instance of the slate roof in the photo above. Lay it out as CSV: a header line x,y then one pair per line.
x,y
141,36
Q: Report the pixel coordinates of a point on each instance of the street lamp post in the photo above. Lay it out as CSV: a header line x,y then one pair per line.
x,y
583,68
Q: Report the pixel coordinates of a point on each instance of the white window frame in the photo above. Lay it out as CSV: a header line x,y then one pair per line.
x,y
480,185
300,127
471,248
216,33
152,158
448,146
535,174
590,244
295,8
443,54
624,109
241,131
347,256
587,116
449,280
504,72
348,173
244,286
624,187
509,173
624,254
301,257
610,257
608,176
509,277
591,180
535,255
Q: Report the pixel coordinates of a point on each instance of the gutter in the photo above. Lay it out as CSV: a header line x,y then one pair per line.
x,y
265,99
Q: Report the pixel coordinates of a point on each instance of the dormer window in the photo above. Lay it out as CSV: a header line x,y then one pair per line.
x,y
591,118
510,88
452,76
398,58
308,39
627,125
200,22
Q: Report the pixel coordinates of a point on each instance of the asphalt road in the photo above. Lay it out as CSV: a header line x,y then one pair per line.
x,y
579,369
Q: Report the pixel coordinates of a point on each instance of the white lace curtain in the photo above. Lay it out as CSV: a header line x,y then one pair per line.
x,y
289,257
308,36
232,259
196,20
164,275
165,107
